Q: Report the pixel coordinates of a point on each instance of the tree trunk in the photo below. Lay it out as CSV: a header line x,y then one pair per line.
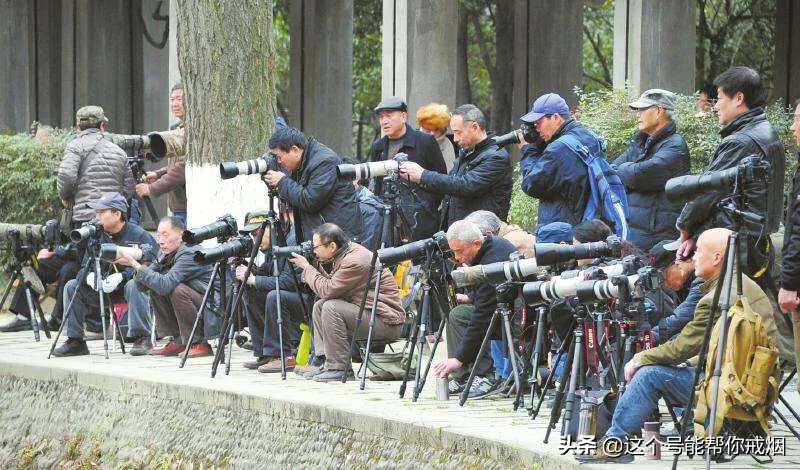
x,y
463,89
227,63
503,79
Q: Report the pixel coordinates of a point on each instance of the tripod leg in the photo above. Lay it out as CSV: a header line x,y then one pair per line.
x,y
423,321
513,358
407,370
198,317
559,398
372,318
43,321
232,329
573,380
31,309
9,286
80,281
280,315
537,352
438,337
99,286
481,352
148,203
567,342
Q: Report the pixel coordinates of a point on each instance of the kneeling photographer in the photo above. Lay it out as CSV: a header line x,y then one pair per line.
x,y
663,371
176,283
467,324
261,303
337,277
110,209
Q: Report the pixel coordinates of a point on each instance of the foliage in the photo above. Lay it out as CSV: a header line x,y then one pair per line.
x,y
606,112
366,73
29,166
598,44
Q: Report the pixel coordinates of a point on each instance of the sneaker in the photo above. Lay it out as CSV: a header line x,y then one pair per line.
x,y
313,373
200,350
72,347
170,349
274,365
483,387
17,324
600,456
141,347
456,386
253,365
333,375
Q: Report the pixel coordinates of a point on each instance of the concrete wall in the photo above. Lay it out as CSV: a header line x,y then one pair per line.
x,y
787,51
17,78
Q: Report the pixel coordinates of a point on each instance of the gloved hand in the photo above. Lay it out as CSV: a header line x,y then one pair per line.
x,y
90,280
111,283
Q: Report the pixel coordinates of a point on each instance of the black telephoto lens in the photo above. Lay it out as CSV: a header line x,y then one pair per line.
x,y
238,247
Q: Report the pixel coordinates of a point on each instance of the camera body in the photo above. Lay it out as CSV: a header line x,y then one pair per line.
x,y
526,130
86,231
240,246
415,251
369,170
265,163
305,249
222,229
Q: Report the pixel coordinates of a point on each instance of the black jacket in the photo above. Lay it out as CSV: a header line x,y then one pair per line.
x,y
494,249
790,256
645,167
265,277
481,179
746,135
422,149
317,196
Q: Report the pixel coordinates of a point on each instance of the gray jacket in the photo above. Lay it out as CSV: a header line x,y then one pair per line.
x,y
92,166
164,275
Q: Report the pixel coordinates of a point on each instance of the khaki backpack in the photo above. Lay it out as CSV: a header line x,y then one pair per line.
x,y
748,386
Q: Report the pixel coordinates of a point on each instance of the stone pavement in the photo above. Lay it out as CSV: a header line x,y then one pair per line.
x,y
489,426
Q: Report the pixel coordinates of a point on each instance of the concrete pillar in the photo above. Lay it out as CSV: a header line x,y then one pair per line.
x,y
654,45
787,51
419,52
17,76
174,70
321,71
548,50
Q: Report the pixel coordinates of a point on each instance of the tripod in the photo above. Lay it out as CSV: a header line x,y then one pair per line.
x,y
21,268
136,165
92,256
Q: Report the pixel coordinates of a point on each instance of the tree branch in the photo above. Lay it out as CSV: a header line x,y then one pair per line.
x,y
485,55
598,52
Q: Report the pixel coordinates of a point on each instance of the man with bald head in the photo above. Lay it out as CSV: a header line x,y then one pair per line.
x,y
663,371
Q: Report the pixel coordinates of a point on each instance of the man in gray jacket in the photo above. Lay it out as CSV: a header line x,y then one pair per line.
x,y
91,166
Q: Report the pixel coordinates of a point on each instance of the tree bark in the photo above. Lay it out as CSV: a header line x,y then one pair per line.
x,y
503,78
463,89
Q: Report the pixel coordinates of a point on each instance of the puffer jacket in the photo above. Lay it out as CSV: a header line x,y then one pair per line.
x,y
790,255
343,278
748,134
644,168
92,166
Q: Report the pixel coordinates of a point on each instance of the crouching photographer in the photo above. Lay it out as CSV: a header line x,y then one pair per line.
x,y
261,302
117,283
338,278
176,283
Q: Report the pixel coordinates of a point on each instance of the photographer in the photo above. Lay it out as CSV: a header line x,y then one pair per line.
x,y
745,131
656,153
482,175
337,277
313,189
467,324
419,206
176,283
172,178
550,170
663,371
91,166
261,305
111,210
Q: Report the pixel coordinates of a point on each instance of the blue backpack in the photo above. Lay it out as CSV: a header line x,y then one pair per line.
x,y
608,200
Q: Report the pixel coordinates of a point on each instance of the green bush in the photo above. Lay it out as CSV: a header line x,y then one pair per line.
x,y
29,166
607,114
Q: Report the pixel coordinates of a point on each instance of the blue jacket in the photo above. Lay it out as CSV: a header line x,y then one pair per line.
x,y
557,177
645,167
683,313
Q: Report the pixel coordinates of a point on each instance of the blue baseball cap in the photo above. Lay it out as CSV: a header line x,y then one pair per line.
x,y
112,200
554,232
551,103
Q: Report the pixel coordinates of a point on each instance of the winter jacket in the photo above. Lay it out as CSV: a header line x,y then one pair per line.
x,y
371,209
683,313
481,179
164,275
92,166
317,195
790,255
557,177
420,207
484,298
746,135
644,168
265,277
172,180
343,278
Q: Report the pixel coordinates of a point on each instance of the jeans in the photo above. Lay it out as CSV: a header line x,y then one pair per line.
x,y
139,316
87,302
641,396
265,337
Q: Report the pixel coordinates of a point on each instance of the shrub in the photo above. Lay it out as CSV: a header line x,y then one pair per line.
x,y
607,113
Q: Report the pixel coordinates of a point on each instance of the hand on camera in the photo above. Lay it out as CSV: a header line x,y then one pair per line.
x,y
127,260
272,178
463,298
150,177
411,171
241,271
687,247
299,261
143,190
788,300
44,253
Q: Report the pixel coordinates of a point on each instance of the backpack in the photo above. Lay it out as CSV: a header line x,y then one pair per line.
x,y
608,200
748,385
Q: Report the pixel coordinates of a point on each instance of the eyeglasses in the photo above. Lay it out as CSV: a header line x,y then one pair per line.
x,y
314,247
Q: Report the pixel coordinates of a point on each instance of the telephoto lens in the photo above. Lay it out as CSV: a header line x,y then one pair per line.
x,y
87,230
239,247
266,163
549,254
112,251
224,227
35,233
414,250
305,249
369,170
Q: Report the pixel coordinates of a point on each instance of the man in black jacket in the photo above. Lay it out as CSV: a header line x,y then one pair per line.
x,y
419,207
467,324
110,209
745,132
656,153
482,176
790,257
313,190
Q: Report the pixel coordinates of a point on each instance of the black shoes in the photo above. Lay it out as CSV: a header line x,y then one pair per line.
x,y
72,347
16,325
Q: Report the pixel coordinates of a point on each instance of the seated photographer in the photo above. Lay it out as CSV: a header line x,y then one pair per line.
x,y
176,283
337,277
467,324
680,288
111,210
663,371
261,305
